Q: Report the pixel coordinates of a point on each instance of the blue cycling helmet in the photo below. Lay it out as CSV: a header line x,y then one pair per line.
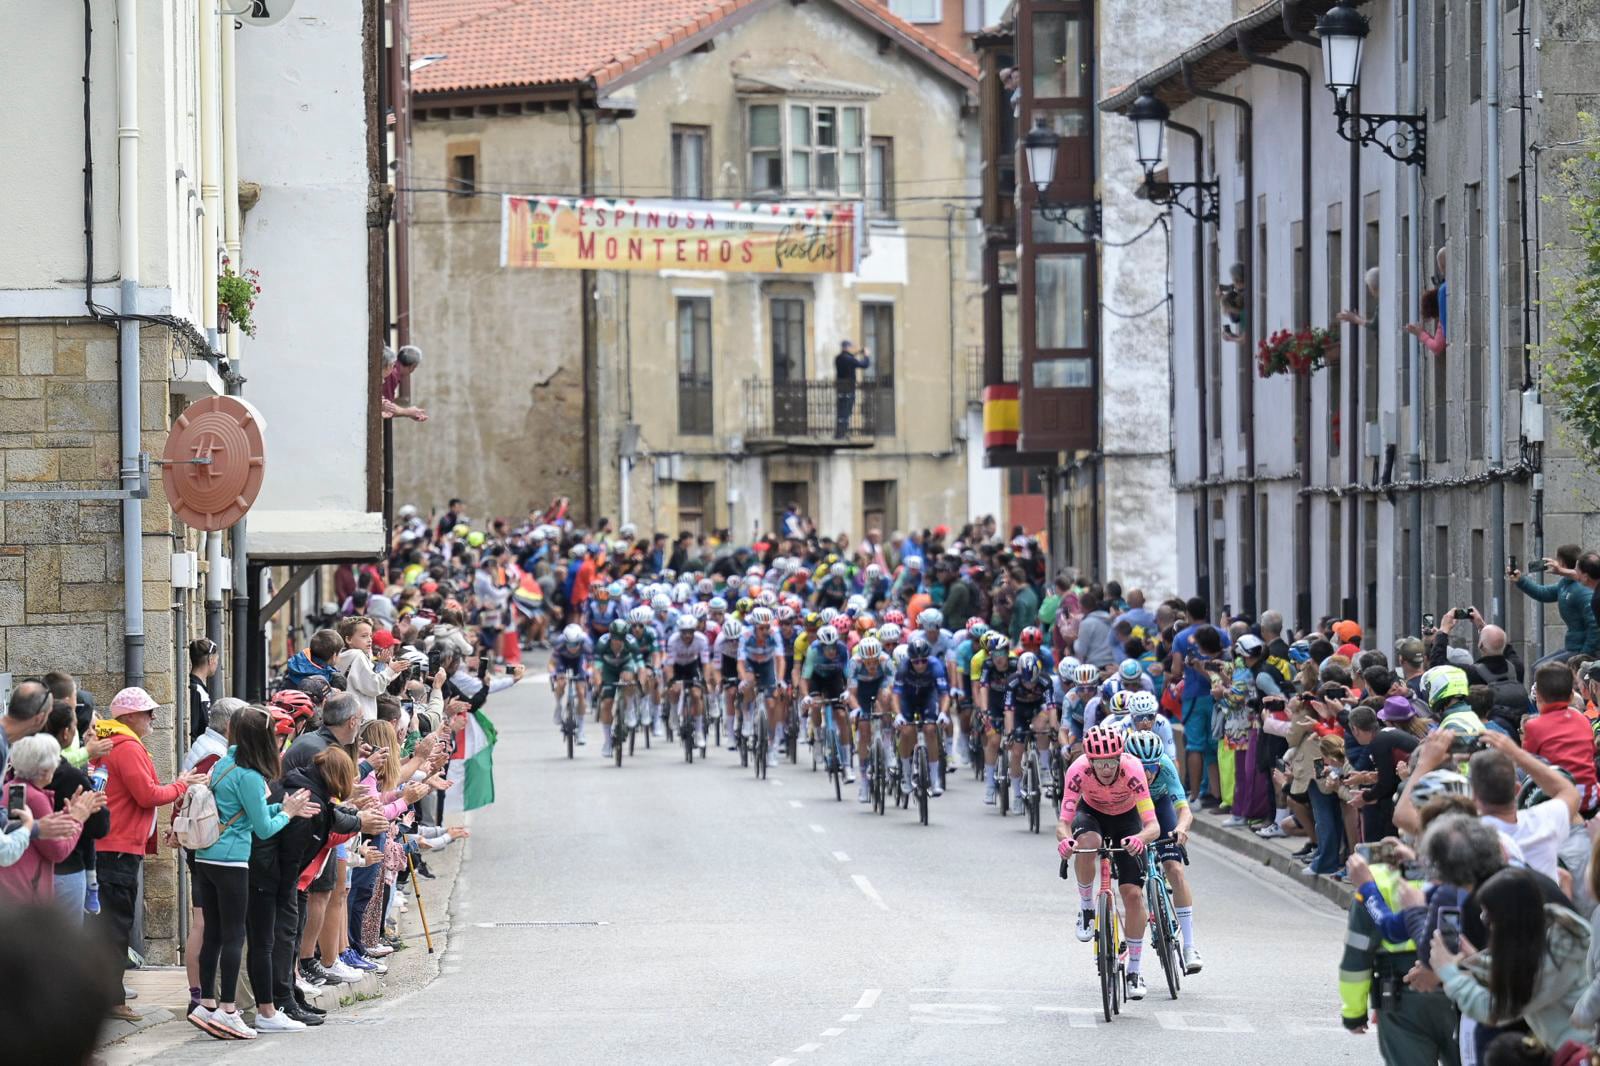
x,y
1028,667
1130,670
1144,746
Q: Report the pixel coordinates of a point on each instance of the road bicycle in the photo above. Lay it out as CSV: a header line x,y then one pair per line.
x,y
1032,777
1110,950
758,752
791,732
569,714
920,781
1166,940
834,756
686,729
1002,778
624,718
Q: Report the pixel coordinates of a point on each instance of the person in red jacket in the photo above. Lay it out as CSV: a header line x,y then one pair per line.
x,y
1560,735
133,793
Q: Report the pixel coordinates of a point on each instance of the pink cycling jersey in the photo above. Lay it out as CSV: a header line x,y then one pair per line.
x,y
1128,790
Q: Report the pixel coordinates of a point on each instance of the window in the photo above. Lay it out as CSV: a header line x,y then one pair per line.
x,y
1511,248
694,365
689,162
816,149
461,166
880,178
1475,47
1335,556
1246,532
1441,572
1061,311
695,514
1214,345
1076,373
1369,307
981,14
917,10
877,337
1335,295
1263,549
878,506
1403,306
1369,558
1441,56
788,340
1475,571
1060,68
1475,295
1518,605
1219,553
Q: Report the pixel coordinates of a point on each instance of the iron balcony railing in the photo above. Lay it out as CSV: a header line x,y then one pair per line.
x,y
818,412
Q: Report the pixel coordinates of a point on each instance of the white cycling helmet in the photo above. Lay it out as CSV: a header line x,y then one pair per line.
x,y
661,602
1086,674
681,593
767,598
1068,668
761,616
856,604
889,633
1143,704
732,630
687,623
932,618
869,648
827,636
901,653
573,634
640,615
718,604
697,612
828,615
1437,783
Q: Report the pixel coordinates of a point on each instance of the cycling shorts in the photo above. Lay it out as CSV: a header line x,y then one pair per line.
x,y
765,673
1113,828
730,671
1167,817
1024,713
569,667
867,696
688,672
921,710
828,686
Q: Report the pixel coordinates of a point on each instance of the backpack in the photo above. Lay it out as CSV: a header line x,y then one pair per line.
x,y
1509,696
196,820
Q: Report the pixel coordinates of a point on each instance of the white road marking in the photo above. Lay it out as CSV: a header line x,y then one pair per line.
x,y
1057,992
868,998
796,803
832,1032
1077,1017
1196,1022
849,1017
774,781
840,856
958,1013
815,828
806,1049
871,893
783,1062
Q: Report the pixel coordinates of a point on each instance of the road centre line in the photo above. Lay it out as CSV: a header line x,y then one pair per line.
x,y
840,856
849,1017
871,893
832,1032
796,803
806,1049
815,828
868,998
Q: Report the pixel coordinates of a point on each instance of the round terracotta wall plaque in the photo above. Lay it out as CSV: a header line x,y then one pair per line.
x,y
214,495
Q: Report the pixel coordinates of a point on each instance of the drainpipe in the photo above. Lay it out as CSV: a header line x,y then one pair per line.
x,y
128,374
586,298
1302,314
1203,559
210,149
1247,399
213,548
1413,583
234,246
1491,247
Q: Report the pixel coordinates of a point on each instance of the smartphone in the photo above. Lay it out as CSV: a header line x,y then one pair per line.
x,y
1536,566
1377,852
1449,926
16,798
1427,620
1464,744
1463,612
1511,565
1335,691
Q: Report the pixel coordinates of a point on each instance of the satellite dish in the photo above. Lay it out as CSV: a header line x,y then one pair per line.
x,y
260,12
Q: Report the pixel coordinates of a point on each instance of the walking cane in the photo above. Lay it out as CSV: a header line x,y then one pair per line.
x,y
422,912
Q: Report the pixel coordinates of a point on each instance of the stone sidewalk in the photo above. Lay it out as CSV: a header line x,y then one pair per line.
x,y
1278,854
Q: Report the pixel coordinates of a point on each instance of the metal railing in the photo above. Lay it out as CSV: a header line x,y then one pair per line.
x,y
816,412
1010,369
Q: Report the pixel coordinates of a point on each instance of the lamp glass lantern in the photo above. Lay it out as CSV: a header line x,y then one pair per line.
x,y
1040,149
1344,32
1149,117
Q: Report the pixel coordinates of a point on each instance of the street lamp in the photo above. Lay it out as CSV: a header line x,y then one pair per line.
x,y
1344,32
1149,117
1040,150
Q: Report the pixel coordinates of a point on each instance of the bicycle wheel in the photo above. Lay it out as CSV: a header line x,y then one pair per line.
x,y
1105,951
618,735
880,780
1002,781
645,719
920,768
761,745
1030,790
1163,918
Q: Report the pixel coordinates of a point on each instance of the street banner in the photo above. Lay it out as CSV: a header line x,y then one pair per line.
x,y
603,233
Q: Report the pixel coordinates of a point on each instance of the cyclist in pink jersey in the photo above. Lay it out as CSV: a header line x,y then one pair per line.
x,y
1107,797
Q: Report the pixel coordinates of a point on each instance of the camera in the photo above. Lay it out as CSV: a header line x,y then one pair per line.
x,y
1463,744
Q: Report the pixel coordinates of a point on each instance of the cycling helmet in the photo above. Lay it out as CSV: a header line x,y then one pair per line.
x,y
868,649
785,613
661,602
901,654
640,615
1144,746
976,626
889,633
812,619
1067,669
828,615
294,703
743,605
1086,674
317,687
1030,638
898,617
1444,682
1300,652
718,604
1129,670
687,623
704,586
865,621
761,616
573,634
767,598
616,588
994,640
855,604
697,612
843,624
416,658
1437,783
1530,794
283,722
827,636
1143,704
872,570
1102,743
681,593
1119,701
619,628
932,618
919,648
732,630
1028,667
754,570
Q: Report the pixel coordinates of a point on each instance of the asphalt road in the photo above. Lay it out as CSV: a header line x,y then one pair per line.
x,y
691,914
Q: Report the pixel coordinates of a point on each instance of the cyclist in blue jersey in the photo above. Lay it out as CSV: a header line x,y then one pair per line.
x,y
1029,707
823,678
725,667
569,664
601,610
1145,710
1080,699
871,678
761,667
1175,817
921,692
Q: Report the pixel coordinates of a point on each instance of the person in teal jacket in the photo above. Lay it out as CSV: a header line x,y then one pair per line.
x,y
1573,598
239,783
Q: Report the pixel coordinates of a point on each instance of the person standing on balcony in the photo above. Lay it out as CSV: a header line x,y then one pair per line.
x,y
845,365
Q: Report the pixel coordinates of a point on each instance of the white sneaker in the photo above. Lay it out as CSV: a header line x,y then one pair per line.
x,y
989,794
1236,821
343,974
655,728
1084,930
605,752
1273,831
1135,986
306,988
232,1024
865,793
849,776
379,969
278,1023
378,951
1191,960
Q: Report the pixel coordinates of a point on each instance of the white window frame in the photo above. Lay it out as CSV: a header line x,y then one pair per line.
x,y
812,151
916,14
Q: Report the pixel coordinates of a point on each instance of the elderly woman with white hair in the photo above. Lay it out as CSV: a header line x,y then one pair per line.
x,y
31,879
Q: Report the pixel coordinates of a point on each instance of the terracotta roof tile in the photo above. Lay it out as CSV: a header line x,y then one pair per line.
x,y
494,44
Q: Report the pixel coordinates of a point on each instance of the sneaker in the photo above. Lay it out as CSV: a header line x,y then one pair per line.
x,y
378,951
1235,822
378,968
1136,987
605,752
353,959
864,794
232,1024
281,1022
1308,871
849,776
304,987
1306,852
200,1018
937,788
129,994
1191,960
314,974
307,1007
655,728
343,974
301,1015
1084,930
1274,831
990,795
91,900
